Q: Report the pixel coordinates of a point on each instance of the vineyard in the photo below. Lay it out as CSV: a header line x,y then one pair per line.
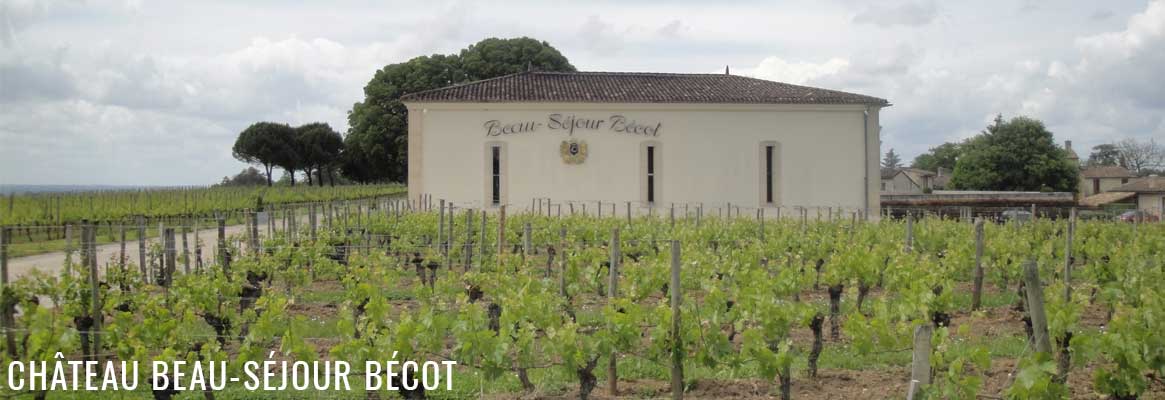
x,y
42,220
578,306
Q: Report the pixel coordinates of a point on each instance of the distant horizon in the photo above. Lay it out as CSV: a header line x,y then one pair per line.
x,y
20,188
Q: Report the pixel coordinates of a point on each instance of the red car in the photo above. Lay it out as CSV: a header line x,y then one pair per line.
x,y
1138,215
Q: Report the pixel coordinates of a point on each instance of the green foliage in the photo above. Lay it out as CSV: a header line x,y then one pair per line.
x,y
891,160
1019,154
318,148
941,156
268,144
741,318
1104,154
247,177
377,142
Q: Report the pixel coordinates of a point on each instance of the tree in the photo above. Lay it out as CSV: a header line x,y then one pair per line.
x,y
1018,155
1138,156
265,143
247,177
319,149
941,156
376,146
1104,154
891,160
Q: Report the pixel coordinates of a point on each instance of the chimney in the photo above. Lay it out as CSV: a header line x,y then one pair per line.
x,y
1068,145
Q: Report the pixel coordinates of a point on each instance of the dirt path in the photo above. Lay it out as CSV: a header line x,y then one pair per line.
x,y
107,254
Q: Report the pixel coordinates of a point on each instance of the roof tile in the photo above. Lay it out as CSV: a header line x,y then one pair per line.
x,y
635,87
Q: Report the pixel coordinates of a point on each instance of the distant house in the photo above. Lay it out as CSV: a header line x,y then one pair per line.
x,y
1150,192
909,180
1103,178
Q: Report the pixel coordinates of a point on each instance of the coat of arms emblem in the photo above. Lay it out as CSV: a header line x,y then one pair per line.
x,y
573,151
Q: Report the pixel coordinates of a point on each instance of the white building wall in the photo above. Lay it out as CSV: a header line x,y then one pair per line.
x,y
708,154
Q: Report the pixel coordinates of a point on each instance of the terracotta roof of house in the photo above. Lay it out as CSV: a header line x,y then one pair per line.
x,y
1100,199
1149,184
920,172
1106,171
635,87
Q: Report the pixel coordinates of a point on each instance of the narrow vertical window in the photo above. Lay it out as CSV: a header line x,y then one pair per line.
x,y
651,174
496,175
769,174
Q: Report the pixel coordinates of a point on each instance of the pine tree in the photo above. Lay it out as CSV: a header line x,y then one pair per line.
x,y
892,160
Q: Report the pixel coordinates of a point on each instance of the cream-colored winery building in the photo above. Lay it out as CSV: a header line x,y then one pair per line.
x,y
652,139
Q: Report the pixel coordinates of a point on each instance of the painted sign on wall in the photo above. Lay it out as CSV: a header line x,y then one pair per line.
x,y
569,123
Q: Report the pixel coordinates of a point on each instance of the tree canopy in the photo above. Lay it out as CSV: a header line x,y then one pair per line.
x,y
941,156
247,177
1019,154
319,148
376,146
1104,154
268,144
891,160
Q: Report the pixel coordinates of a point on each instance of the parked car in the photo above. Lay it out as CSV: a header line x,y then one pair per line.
x,y
1137,215
1016,215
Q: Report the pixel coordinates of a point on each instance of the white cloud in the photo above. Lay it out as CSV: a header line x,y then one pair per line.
x,y
111,91
905,14
777,69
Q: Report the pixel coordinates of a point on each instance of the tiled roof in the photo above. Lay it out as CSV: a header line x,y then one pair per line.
x,y
1106,171
1100,199
635,87
1149,184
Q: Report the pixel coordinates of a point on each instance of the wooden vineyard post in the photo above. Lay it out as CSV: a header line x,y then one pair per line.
x,y
253,232
6,316
197,249
1035,307
95,301
311,221
84,247
760,218
909,232
562,262
600,208
468,238
121,251
699,214
804,218
526,250
1071,233
612,291
677,351
185,251
920,366
223,257
501,232
142,246
977,290
449,237
68,247
628,212
441,226
672,216
169,257
481,256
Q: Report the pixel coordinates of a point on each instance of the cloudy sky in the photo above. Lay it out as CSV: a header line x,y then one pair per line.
x,y
141,92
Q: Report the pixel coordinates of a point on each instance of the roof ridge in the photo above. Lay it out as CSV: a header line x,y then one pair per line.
x,y
634,87
462,84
